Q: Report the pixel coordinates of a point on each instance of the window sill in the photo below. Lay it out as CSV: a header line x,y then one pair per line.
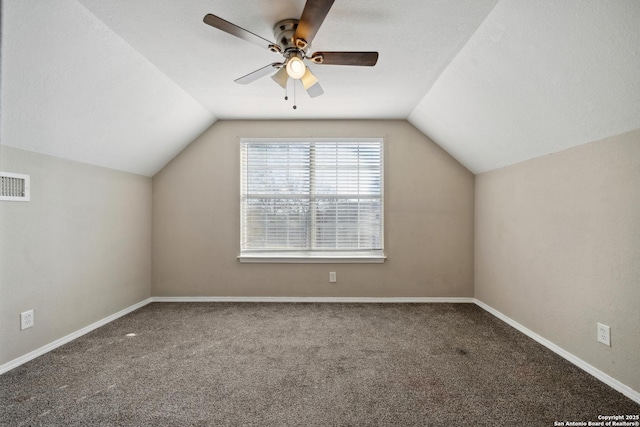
x,y
313,257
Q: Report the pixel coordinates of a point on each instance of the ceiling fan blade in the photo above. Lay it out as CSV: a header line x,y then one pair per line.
x,y
261,72
312,17
365,59
234,30
315,90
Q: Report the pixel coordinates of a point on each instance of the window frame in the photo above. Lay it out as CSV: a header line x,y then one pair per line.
x,y
314,256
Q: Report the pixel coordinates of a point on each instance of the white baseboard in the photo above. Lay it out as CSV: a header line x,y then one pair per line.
x,y
605,378
72,336
389,300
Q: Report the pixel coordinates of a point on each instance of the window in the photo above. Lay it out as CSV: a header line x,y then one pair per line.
x,y
313,200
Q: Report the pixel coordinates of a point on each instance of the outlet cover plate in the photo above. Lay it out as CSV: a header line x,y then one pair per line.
x,y
604,334
332,277
26,320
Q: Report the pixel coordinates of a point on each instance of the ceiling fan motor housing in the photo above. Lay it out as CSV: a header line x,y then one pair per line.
x,y
284,33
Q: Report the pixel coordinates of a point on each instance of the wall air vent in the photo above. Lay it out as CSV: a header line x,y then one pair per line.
x,y
14,187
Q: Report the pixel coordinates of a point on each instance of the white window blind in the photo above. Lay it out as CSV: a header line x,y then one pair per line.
x,y
312,195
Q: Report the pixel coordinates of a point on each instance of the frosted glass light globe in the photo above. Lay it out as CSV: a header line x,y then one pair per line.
x,y
295,67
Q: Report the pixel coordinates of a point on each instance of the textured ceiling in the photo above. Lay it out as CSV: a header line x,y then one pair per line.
x,y
72,88
421,38
536,78
127,84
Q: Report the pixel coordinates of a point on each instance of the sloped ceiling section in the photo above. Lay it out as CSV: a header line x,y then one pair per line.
x,y
72,88
536,78
127,84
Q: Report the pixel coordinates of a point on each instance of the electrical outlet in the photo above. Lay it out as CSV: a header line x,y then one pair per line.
x,y
604,334
26,320
332,277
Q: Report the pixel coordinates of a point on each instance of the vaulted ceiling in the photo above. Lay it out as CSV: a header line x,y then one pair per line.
x,y
128,84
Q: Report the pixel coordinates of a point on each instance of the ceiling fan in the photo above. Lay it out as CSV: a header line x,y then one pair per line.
x,y
293,41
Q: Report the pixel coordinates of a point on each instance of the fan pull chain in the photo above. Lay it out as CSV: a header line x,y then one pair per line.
x,y
286,94
294,95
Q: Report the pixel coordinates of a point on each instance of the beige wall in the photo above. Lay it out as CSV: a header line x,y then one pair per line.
x,y
428,220
556,238
558,249
78,252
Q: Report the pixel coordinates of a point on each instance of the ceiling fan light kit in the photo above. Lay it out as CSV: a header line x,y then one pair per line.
x,y
308,79
295,67
293,40
281,77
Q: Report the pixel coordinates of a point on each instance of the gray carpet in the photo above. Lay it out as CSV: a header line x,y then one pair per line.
x,y
228,364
